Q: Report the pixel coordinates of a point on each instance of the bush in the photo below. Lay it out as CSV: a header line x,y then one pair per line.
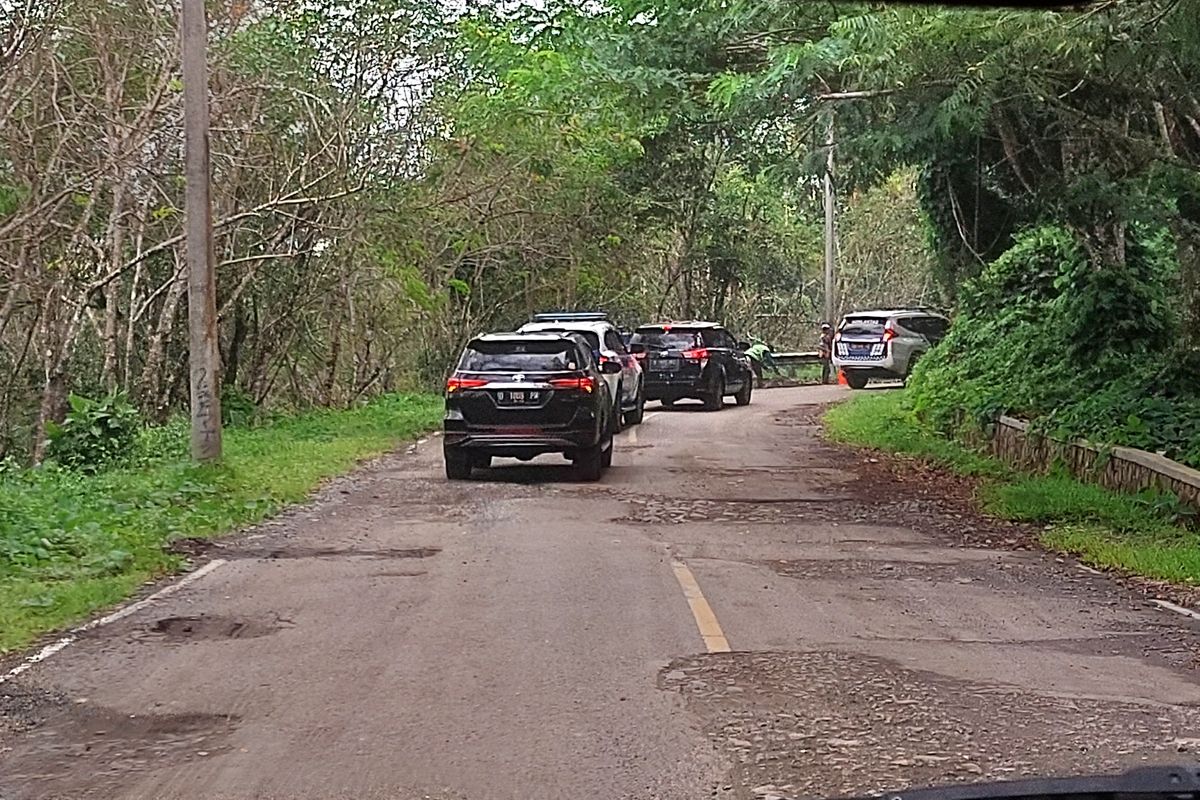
x,y
1085,351
238,409
95,434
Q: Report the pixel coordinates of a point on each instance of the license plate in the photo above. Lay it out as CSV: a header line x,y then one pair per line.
x,y
664,364
860,349
518,398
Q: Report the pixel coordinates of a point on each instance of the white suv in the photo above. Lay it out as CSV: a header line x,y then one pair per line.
x,y
885,344
626,387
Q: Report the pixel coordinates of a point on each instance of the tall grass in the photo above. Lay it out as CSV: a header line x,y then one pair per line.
x,y
71,544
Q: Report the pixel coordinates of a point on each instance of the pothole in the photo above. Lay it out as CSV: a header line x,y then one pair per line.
x,y
214,627
843,724
191,547
662,510
294,552
956,571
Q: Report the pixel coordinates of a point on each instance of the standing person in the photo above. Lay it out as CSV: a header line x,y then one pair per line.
x,y
825,351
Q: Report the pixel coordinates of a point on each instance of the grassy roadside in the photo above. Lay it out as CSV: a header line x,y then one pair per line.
x,y
71,544
1134,533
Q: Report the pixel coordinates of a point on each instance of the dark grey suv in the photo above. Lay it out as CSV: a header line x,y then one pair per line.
x,y
699,360
524,394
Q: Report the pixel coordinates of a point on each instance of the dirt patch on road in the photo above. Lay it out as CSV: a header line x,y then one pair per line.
x,y
297,551
914,483
833,724
108,745
926,515
23,708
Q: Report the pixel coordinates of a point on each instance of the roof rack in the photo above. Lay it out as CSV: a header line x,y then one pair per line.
x,y
570,316
515,335
682,323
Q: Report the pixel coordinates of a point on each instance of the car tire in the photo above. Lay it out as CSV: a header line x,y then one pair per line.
x,y
458,464
481,461
606,455
668,402
618,416
589,462
638,412
714,400
856,380
742,398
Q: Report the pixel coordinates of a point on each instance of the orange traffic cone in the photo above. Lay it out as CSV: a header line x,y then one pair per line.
x,y
842,378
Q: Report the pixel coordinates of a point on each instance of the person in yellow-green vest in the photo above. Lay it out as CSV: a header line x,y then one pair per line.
x,y
760,357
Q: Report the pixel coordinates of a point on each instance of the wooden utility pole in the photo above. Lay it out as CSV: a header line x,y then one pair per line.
x,y
830,228
203,355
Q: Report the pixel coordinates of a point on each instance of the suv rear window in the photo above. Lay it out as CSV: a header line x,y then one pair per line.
x,y
592,337
863,326
659,339
519,357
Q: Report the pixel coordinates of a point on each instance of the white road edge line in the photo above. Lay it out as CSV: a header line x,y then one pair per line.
x,y
66,641
1187,612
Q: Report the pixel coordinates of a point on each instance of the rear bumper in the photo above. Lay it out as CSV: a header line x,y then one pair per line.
x,y
674,390
520,443
882,366
869,371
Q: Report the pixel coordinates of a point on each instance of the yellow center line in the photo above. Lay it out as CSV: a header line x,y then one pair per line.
x,y
706,620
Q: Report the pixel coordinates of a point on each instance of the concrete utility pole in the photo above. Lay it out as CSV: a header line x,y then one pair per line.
x,y
204,358
830,228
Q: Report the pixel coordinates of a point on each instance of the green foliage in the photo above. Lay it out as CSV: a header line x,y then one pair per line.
x,y
72,543
238,408
1174,557
11,196
95,434
885,258
1143,534
886,421
1058,497
1085,352
168,442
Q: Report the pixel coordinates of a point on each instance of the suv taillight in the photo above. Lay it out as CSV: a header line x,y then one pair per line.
x,y
889,332
457,384
584,384
696,354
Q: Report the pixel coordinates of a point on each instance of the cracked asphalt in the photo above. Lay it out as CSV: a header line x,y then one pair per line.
x,y
524,635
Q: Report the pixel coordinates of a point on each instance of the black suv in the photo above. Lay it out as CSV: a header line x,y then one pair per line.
x,y
524,394
693,359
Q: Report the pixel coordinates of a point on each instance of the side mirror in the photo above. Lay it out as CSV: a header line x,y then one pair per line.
x,y
743,345
637,347
611,367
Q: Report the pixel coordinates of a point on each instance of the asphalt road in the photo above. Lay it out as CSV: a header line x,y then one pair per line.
x,y
527,636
